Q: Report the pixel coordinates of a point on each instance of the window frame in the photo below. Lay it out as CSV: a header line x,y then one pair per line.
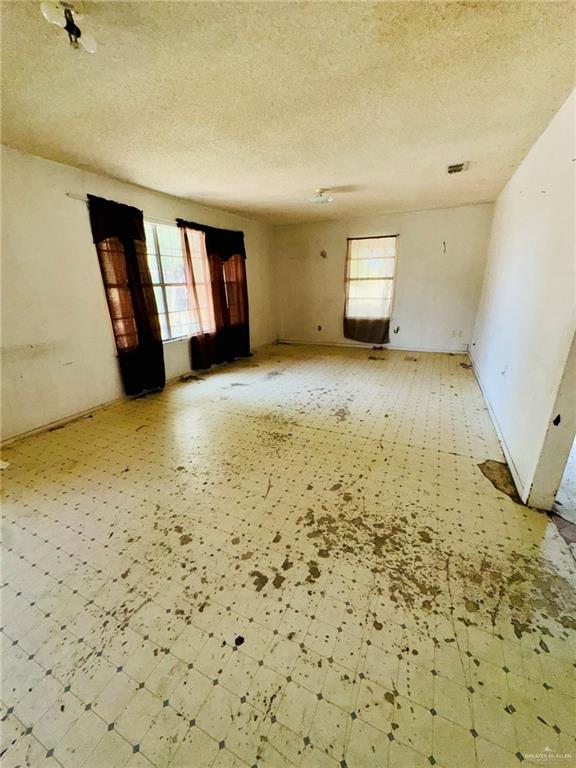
x,y
154,224
348,280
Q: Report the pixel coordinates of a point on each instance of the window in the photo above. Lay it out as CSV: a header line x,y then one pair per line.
x,y
200,287
168,272
370,277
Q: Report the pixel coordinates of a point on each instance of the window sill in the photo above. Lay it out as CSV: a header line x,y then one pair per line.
x,y
175,341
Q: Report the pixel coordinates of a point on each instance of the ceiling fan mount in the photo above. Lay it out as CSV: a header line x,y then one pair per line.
x,y
65,15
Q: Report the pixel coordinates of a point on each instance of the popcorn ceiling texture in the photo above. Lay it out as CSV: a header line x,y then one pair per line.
x,y
250,106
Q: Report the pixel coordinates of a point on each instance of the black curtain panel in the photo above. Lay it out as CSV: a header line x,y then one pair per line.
x,y
370,331
118,233
228,334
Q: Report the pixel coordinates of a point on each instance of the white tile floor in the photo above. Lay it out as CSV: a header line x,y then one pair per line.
x,y
292,561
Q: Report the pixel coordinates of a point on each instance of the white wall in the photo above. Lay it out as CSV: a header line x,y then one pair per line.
x,y
558,440
527,313
441,257
58,351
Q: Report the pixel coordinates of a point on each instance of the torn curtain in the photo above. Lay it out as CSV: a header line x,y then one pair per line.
x,y
118,233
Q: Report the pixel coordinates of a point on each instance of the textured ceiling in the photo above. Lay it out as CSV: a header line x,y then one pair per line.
x,y
250,106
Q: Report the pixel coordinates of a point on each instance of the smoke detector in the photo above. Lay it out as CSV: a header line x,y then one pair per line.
x,y
65,15
458,167
321,196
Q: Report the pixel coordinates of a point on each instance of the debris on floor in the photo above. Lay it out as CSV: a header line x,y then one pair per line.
x,y
311,572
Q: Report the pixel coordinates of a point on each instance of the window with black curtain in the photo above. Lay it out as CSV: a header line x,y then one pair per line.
x,y
370,270
118,233
229,337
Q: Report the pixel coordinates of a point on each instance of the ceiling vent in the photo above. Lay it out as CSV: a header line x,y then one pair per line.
x,y
458,167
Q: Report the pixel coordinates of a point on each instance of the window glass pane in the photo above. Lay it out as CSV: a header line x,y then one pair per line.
x,y
177,297
169,240
182,324
153,267
149,233
374,247
173,269
370,268
370,289
368,308
164,327
159,299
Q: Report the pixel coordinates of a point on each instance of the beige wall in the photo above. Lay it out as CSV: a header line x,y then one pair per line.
x,y
441,257
58,351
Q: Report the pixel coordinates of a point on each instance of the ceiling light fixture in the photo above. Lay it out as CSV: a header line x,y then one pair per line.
x,y
62,15
322,196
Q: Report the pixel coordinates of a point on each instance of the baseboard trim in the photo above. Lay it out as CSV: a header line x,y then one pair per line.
x,y
462,351
522,491
61,422
180,378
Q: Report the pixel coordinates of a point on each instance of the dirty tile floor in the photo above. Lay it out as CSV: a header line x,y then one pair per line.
x,y
290,561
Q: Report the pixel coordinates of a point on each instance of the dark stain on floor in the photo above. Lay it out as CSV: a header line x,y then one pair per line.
x,y
500,477
342,414
260,580
424,574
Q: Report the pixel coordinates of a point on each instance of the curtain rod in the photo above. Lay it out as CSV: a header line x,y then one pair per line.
x,y
84,199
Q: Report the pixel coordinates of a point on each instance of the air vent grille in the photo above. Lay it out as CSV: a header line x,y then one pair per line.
x,y
457,167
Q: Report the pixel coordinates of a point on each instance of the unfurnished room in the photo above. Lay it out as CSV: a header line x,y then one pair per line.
x,y
288,366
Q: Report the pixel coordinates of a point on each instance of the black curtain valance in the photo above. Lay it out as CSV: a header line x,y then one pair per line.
x,y
224,243
110,219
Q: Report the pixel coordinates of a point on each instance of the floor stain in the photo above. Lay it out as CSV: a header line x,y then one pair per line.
x,y
278,580
391,547
500,477
341,414
260,580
